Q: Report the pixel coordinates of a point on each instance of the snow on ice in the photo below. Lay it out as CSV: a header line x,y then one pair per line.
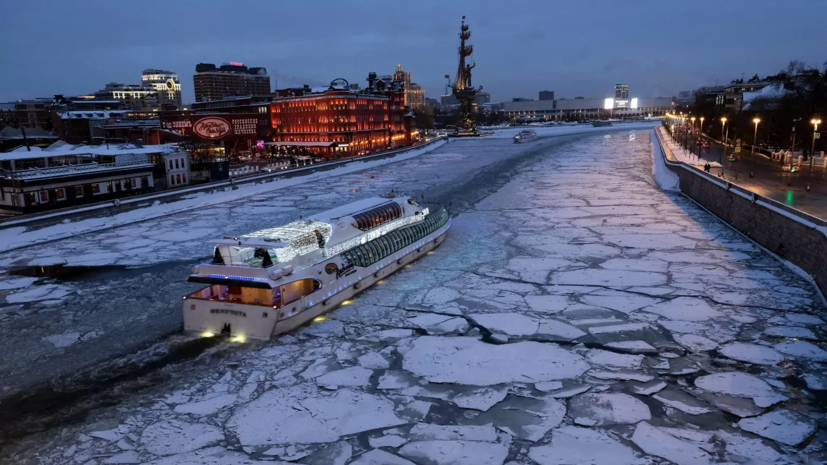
x,y
297,414
472,362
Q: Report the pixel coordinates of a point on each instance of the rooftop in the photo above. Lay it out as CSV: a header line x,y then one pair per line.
x,y
60,149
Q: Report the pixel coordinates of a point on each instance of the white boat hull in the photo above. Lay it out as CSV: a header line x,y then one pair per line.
x,y
210,317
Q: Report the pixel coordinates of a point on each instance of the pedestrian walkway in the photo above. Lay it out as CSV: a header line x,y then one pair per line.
x,y
769,180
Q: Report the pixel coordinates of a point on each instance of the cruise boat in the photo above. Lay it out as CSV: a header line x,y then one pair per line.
x,y
526,135
271,281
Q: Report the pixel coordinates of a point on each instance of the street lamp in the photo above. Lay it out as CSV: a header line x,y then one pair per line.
x,y
723,141
693,123
815,122
754,137
702,125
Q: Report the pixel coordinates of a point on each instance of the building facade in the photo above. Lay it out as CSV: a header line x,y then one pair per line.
x,y
621,92
587,109
35,113
405,79
229,80
546,95
415,96
45,179
481,98
133,97
165,84
340,122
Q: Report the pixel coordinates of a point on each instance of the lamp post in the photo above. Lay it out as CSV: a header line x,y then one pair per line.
x,y
723,141
693,132
752,154
815,123
702,126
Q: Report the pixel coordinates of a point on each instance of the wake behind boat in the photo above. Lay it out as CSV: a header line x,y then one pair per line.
x,y
274,280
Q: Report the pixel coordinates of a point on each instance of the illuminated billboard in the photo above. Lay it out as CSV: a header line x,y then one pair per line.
x,y
609,104
634,103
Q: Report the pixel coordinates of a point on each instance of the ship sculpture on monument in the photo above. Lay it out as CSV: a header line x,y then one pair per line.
x,y
462,88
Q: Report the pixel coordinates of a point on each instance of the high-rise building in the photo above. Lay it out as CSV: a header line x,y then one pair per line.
x,y
482,98
621,92
166,85
546,95
228,80
400,75
448,100
415,96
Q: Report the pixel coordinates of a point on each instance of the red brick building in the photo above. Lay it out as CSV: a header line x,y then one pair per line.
x,y
341,122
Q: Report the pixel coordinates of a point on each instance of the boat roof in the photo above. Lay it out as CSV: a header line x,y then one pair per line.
x,y
353,208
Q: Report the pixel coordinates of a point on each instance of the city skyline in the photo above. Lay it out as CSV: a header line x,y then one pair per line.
x,y
573,50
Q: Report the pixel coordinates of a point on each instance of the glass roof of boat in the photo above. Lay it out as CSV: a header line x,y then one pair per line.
x,y
297,233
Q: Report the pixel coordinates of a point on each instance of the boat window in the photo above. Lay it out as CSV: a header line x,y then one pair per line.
x,y
296,290
376,216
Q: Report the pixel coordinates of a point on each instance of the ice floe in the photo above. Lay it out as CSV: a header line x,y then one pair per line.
x,y
464,360
752,353
695,343
611,359
802,349
208,406
175,437
380,457
353,376
784,426
525,418
455,452
684,309
604,409
740,384
572,445
655,441
298,414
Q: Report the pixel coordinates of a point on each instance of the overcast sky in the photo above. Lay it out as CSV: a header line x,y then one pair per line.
x,y
575,48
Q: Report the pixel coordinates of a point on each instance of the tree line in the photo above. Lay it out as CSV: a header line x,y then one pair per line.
x,y
799,95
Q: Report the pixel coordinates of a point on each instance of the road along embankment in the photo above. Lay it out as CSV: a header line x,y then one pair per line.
x,y
793,235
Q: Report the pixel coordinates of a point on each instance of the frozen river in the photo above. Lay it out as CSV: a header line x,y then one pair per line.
x,y
574,314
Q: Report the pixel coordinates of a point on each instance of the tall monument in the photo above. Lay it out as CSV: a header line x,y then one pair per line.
x,y
463,90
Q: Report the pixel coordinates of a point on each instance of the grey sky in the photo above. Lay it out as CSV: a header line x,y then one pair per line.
x,y
521,47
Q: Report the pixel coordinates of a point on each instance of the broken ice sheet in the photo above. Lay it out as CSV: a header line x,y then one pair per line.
x,y
299,414
455,452
575,445
655,441
740,384
752,353
523,417
603,409
464,360
682,401
784,426
481,399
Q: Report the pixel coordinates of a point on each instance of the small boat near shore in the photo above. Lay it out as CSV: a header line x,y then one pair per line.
x,y
271,281
526,135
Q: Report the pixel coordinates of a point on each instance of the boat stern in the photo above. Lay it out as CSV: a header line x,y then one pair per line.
x,y
209,318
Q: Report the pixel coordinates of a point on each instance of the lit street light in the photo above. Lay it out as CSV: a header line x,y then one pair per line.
x,y
752,155
702,125
723,141
815,123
